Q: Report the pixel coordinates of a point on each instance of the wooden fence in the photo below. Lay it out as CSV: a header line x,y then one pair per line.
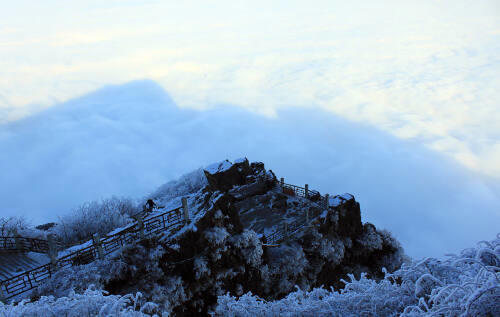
x,y
28,280
12,244
288,230
22,244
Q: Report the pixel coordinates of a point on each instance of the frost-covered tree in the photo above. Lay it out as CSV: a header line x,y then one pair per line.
x,y
186,184
11,225
93,302
95,217
467,284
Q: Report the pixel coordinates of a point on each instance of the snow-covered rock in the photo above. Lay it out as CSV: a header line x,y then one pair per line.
x,y
225,247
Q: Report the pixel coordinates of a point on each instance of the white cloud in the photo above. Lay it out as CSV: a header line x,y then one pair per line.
x,y
424,71
127,140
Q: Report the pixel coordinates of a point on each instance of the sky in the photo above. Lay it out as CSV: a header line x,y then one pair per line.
x,y
422,73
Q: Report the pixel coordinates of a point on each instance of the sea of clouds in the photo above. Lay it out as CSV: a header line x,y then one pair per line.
x,y
425,70
129,139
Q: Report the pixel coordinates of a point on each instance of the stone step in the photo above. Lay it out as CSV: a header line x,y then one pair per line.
x,y
14,263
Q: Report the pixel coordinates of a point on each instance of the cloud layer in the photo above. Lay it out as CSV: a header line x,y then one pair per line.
x,y
425,71
129,139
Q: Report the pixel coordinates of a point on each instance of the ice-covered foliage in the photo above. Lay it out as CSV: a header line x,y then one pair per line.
x,y
289,262
200,266
9,226
93,302
371,239
249,245
332,251
216,235
95,217
463,285
185,185
79,278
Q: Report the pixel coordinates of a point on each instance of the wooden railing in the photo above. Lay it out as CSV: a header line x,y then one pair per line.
x,y
288,230
294,190
22,244
28,280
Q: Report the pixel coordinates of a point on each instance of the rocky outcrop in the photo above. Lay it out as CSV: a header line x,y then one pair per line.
x,y
225,175
225,251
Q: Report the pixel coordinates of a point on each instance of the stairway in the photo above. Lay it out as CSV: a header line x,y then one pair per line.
x,y
12,264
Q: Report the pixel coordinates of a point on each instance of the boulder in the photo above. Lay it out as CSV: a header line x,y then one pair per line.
x,y
344,217
225,175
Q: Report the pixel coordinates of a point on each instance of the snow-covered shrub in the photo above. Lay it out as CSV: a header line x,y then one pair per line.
x,y
332,251
11,225
92,302
79,278
168,294
216,235
18,225
370,239
201,267
250,246
288,262
217,238
95,217
185,185
463,285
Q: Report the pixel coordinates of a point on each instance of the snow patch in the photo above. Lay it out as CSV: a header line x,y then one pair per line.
x,y
339,199
219,167
240,160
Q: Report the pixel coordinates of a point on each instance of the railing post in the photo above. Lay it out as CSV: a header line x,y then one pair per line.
x,y
327,201
282,182
307,216
306,190
17,241
140,224
2,295
52,252
185,208
98,245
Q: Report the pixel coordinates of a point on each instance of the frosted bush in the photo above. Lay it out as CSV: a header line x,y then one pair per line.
x,y
201,267
216,235
79,278
250,246
185,185
370,239
11,225
463,285
93,302
332,251
18,225
289,262
95,217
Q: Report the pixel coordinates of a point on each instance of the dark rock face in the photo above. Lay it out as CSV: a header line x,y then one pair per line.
x,y
46,226
249,179
344,218
225,179
224,251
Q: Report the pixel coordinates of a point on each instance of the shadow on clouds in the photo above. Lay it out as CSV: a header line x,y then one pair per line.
x,y
129,139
